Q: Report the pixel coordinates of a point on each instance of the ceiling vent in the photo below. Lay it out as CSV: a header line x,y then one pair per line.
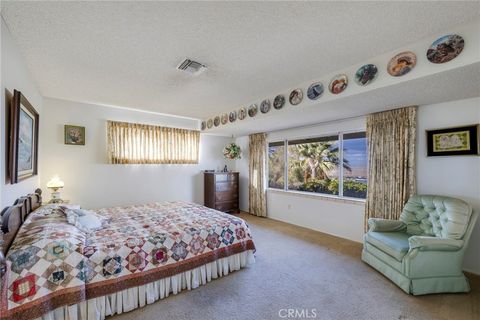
x,y
191,67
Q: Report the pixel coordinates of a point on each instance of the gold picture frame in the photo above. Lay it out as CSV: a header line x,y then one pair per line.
x,y
453,141
74,135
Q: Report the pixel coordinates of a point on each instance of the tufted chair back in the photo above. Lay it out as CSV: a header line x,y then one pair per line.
x,y
436,216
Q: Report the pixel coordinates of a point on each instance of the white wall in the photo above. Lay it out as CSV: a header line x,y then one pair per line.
x,y
15,75
92,182
456,176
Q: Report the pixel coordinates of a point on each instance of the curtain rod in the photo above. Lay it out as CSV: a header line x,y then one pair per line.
x,y
318,124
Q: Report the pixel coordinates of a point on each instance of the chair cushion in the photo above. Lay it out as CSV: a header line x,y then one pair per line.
x,y
395,244
436,216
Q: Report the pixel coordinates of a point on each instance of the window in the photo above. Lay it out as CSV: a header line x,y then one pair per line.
x,y
334,165
135,143
276,165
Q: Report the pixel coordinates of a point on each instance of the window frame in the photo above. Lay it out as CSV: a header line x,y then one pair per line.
x,y
341,170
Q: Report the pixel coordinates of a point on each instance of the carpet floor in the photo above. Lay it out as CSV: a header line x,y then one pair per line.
x,y
318,275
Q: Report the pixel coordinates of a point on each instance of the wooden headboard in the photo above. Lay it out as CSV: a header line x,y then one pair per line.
x,y
12,218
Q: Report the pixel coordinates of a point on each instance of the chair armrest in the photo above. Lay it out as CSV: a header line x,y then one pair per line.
x,y
385,225
423,243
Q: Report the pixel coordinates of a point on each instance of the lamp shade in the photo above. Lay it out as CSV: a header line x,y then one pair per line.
x,y
55,183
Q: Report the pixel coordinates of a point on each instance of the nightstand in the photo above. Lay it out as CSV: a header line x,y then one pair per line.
x,y
58,201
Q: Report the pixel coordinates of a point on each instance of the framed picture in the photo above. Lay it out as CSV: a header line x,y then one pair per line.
x,y
453,141
74,135
23,148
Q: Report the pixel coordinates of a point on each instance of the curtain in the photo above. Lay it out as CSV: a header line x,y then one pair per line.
x,y
256,173
135,143
391,162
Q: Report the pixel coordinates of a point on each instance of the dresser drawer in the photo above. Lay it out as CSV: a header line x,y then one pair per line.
x,y
226,186
226,206
226,196
224,177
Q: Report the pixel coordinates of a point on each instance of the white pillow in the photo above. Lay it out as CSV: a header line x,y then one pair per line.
x,y
84,220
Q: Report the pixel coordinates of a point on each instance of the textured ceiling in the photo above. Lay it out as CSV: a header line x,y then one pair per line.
x,y
126,53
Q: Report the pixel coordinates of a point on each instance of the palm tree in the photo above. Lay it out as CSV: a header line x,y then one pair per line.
x,y
319,158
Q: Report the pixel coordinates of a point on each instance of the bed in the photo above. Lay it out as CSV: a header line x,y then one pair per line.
x,y
141,254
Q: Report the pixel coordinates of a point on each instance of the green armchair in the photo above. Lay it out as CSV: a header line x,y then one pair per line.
x,y
422,252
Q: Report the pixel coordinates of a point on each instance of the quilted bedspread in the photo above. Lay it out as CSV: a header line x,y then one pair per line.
x,y
52,263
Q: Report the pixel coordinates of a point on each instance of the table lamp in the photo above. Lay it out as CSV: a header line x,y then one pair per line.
x,y
55,184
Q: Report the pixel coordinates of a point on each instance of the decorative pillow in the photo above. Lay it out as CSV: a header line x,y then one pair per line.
x,y
85,220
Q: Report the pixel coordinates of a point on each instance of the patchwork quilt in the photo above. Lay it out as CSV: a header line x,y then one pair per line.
x,y
52,263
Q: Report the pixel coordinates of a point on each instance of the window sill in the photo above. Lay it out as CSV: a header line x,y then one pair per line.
x,y
317,196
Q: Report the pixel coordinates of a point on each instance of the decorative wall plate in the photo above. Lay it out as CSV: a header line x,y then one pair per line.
x,y
265,106
252,110
315,91
279,102
209,123
338,83
242,113
216,121
232,116
402,63
296,96
366,74
445,48
224,118
204,125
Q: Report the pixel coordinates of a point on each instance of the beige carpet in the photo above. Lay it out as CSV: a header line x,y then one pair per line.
x,y
303,269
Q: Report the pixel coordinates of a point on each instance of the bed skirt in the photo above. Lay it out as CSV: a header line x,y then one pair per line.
x,y
137,297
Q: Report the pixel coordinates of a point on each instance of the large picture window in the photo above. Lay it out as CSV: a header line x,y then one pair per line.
x,y
334,165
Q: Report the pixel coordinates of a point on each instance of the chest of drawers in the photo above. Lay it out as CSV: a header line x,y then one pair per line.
x,y
221,191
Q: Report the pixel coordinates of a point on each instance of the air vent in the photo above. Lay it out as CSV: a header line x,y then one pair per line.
x,y
191,67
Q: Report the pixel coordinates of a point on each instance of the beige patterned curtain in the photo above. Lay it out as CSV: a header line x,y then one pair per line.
x,y
391,157
256,174
135,143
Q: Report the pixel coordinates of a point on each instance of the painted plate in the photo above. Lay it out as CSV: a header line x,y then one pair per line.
x,y
402,63
252,110
366,74
265,106
315,91
209,123
232,116
216,121
279,102
204,125
224,118
338,83
445,48
242,113
296,96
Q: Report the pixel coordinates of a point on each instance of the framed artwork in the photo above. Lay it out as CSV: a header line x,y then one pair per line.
x,y
338,83
453,141
242,113
23,148
232,116
252,110
265,106
279,102
366,74
224,118
315,91
296,96
445,48
74,135
402,63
